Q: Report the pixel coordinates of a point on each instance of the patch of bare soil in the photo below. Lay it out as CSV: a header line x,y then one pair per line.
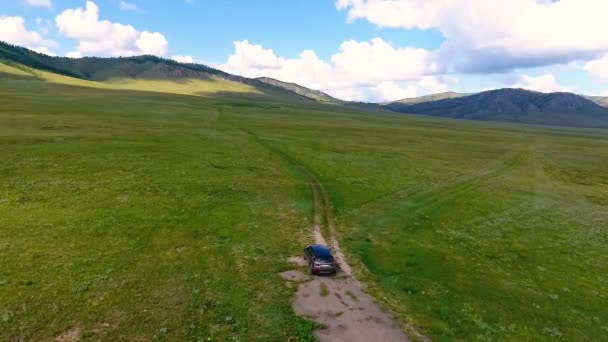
x,y
342,306
298,261
348,313
71,335
295,276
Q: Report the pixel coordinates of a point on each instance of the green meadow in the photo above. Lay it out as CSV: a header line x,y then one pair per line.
x,y
466,230
141,215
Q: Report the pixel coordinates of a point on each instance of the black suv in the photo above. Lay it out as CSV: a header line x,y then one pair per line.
x,y
319,259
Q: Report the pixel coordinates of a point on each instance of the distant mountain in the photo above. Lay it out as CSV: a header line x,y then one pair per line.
x,y
426,98
515,105
600,100
300,90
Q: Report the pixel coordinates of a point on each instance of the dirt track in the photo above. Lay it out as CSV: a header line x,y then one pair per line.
x,y
340,302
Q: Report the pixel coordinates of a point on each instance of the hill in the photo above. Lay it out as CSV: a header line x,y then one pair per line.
x,y
104,69
515,105
300,90
600,100
319,96
150,73
427,98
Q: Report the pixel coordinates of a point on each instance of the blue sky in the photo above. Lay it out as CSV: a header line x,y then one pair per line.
x,y
370,50
208,28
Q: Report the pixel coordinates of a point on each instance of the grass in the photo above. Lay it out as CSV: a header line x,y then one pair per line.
x,y
323,290
142,215
130,215
201,87
8,70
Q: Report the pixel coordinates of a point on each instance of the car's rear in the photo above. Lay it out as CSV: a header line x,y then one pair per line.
x,y
322,261
327,266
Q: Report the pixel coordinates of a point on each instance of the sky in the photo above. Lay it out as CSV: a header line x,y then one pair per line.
x,y
363,50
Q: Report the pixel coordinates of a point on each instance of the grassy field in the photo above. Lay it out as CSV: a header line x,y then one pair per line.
x,y
137,215
470,230
130,215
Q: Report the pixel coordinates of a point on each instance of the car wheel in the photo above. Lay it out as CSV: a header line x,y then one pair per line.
x,y
311,269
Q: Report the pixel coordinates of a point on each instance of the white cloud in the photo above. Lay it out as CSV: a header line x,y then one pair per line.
x,y
438,84
43,50
370,71
543,83
183,59
598,68
39,3
127,6
152,43
389,90
13,31
378,60
102,37
497,35
44,26
254,56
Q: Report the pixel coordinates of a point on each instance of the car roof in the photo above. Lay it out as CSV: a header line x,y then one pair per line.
x,y
320,250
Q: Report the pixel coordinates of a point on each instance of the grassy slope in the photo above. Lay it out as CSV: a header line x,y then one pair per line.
x,y
213,86
303,91
471,230
138,215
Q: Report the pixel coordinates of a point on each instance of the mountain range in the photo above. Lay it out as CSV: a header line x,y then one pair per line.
x,y
504,105
511,105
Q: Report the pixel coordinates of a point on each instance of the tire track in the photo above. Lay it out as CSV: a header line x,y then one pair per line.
x,y
328,212
442,192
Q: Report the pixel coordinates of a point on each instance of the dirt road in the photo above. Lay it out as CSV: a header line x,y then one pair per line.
x,y
338,302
